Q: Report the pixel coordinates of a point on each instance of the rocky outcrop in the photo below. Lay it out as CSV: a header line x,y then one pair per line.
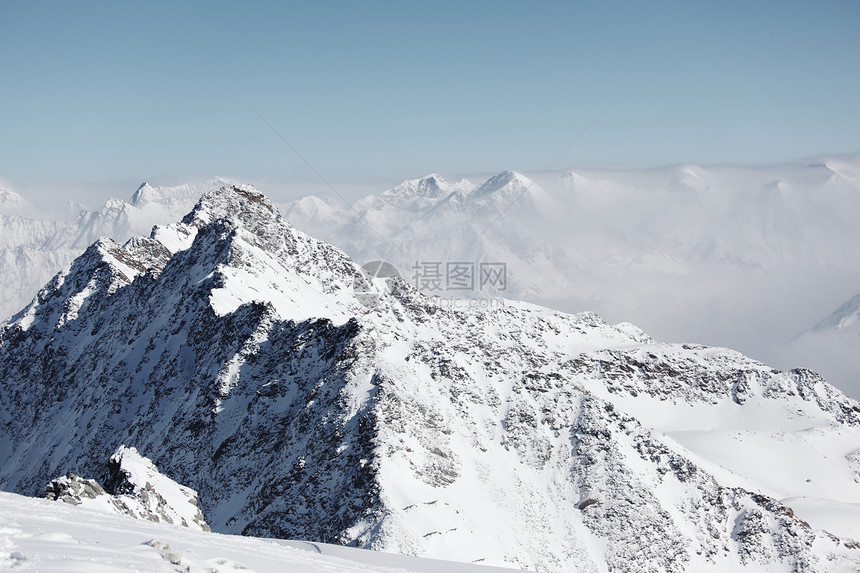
x,y
133,487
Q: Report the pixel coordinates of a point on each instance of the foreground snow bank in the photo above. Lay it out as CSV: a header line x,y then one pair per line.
x,y
38,535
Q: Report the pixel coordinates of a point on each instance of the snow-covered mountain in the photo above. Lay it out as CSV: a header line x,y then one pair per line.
x,y
429,220
845,318
739,256
11,202
33,250
235,352
733,256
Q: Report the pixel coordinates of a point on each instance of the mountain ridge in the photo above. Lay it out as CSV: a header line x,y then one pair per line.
x,y
32,251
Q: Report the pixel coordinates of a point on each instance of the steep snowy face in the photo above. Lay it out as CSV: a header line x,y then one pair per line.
x,y
233,351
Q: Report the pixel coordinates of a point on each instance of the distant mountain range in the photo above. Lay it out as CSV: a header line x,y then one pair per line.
x,y
745,257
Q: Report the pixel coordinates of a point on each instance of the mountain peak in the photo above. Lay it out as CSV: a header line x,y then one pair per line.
x,y
504,180
430,186
255,370
10,201
847,314
142,195
243,202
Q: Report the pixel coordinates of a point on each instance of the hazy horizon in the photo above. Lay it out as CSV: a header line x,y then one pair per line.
x,y
109,95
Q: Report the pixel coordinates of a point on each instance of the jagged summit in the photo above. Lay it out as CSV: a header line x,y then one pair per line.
x,y
141,193
236,201
432,186
32,251
241,250
248,362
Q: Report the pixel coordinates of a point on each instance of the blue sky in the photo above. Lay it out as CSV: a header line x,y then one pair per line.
x,y
107,94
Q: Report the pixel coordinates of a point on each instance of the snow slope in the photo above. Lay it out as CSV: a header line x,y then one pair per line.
x,y
36,535
233,351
